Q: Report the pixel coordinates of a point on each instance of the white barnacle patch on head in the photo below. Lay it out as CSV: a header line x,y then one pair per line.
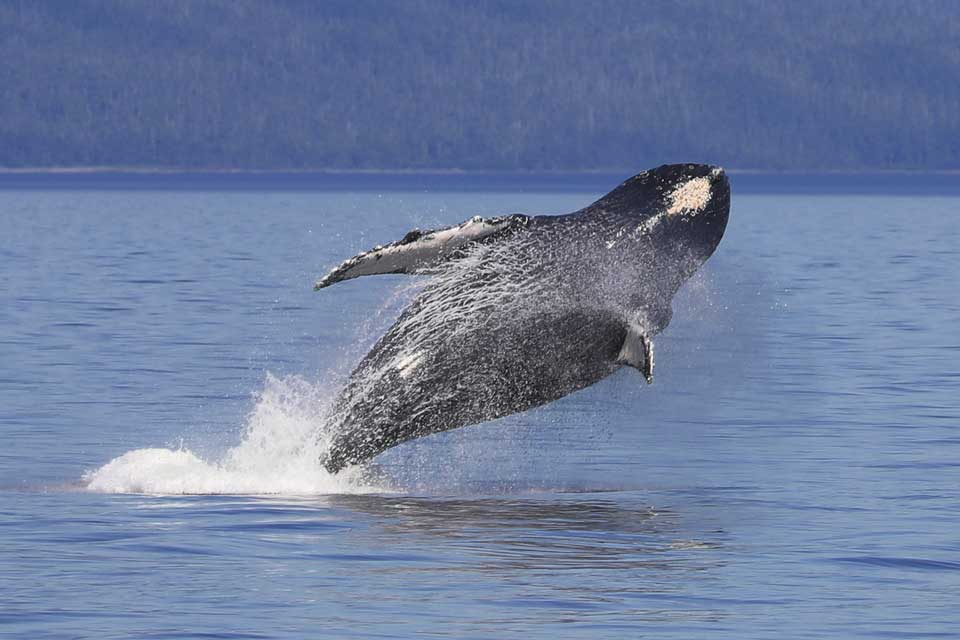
x,y
692,196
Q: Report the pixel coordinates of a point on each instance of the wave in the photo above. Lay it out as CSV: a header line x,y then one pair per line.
x,y
279,453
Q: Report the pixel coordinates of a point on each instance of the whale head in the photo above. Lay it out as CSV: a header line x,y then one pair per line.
x,y
665,222
679,211
693,207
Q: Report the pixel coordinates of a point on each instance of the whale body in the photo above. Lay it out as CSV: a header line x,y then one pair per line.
x,y
522,310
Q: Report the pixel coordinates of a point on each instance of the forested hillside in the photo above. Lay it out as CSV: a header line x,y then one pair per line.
x,y
361,84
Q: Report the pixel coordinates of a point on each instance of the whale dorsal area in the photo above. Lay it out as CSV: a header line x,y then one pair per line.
x,y
419,250
635,197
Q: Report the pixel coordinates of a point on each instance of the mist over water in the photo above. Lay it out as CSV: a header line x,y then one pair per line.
x,y
166,367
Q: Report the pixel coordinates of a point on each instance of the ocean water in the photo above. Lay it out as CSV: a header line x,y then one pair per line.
x,y
794,470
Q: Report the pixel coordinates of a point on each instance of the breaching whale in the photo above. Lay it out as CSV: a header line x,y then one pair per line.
x,y
523,310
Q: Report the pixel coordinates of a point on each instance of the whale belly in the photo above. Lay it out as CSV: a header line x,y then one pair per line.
x,y
405,389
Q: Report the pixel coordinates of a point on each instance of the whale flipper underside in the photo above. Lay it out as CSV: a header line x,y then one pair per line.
x,y
637,352
419,250
522,310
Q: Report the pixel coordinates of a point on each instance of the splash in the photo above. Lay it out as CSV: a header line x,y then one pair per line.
x,y
278,454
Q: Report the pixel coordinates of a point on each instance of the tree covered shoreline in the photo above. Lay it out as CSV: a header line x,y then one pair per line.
x,y
479,86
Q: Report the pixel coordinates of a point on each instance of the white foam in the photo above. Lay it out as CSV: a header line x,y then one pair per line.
x,y
279,453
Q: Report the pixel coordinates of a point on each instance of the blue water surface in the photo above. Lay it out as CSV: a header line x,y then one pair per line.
x,y
794,470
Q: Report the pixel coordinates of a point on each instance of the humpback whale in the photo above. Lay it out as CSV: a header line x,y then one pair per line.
x,y
522,310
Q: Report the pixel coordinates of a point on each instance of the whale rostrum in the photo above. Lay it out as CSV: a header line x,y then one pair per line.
x,y
521,310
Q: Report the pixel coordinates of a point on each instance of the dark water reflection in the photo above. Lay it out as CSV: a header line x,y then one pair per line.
x,y
360,565
543,535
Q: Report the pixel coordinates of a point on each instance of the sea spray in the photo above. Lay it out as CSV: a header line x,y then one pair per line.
x,y
278,454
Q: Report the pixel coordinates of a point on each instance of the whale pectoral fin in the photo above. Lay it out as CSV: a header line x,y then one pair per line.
x,y
420,250
637,352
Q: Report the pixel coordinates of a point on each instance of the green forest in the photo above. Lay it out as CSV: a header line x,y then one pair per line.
x,y
491,85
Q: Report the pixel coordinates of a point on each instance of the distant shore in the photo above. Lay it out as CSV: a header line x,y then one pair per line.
x,y
134,170
744,181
